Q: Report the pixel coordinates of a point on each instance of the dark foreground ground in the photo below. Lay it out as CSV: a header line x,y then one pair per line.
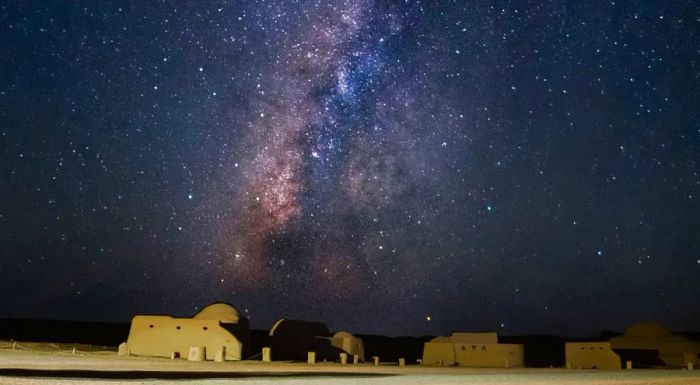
x,y
41,364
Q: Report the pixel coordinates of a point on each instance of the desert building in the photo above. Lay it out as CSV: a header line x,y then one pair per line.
x,y
217,327
650,339
349,343
291,340
474,350
591,355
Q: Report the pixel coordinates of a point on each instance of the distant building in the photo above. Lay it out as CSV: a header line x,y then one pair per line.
x,y
650,339
349,343
473,350
591,355
291,340
216,326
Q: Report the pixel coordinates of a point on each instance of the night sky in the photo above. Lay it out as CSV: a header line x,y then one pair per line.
x,y
382,166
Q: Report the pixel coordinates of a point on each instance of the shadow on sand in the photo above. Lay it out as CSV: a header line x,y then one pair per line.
x,y
173,375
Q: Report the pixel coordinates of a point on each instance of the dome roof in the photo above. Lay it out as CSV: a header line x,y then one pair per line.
x,y
220,311
647,329
343,334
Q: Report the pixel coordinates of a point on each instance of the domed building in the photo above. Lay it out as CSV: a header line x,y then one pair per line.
x,y
291,340
217,328
651,339
647,329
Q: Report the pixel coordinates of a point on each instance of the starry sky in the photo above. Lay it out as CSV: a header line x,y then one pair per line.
x,y
395,167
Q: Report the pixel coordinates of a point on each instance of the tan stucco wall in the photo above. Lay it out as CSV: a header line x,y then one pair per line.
x,y
160,336
473,354
437,353
589,355
490,355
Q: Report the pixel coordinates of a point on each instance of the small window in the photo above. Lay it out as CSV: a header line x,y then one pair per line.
x,y
150,326
177,327
205,328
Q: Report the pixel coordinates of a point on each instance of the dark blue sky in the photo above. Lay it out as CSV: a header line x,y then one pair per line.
x,y
519,166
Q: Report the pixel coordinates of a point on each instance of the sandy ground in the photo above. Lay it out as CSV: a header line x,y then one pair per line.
x,y
58,365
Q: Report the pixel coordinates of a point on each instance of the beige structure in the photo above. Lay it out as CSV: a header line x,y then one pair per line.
x,y
349,343
672,350
266,354
291,340
472,349
217,327
591,355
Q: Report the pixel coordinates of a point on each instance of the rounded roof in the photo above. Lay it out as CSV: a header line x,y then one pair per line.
x,y
220,311
284,326
343,334
274,327
647,329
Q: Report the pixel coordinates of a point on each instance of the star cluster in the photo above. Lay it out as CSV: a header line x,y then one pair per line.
x,y
386,167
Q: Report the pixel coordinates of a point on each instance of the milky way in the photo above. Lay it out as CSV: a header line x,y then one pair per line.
x,y
290,113
385,167
313,150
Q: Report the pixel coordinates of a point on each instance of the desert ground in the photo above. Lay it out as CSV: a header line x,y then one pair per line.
x,y
25,364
